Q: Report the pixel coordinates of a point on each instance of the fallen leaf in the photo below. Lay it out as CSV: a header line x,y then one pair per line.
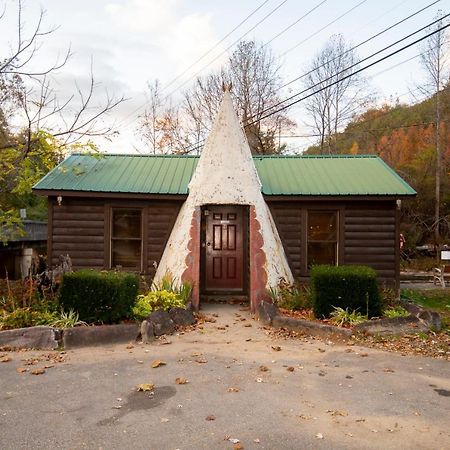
x,y
336,412
248,340
117,406
259,380
256,441
144,387
129,346
221,328
349,350
276,348
388,370
234,440
201,360
238,446
164,419
196,354
290,369
364,355
139,361
5,359
210,417
37,371
319,436
305,417
248,325
157,363
233,389
263,368
181,380
21,370
48,366
321,350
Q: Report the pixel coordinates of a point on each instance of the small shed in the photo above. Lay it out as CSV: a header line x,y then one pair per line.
x,y
230,222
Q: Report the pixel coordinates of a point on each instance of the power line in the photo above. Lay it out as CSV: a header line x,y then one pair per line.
x,y
232,45
296,22
351,67
217,44
362,43
323,28
202,57
359,70
347,76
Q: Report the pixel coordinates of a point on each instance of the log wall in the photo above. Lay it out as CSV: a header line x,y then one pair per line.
x,y
368,234
80,227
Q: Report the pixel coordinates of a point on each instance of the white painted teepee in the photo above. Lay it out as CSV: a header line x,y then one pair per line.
x,y
225,174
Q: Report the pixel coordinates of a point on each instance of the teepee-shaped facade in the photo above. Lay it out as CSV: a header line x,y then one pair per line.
x,y
224,239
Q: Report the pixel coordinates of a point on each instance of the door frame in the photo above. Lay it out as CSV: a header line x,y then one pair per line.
x,y
245,248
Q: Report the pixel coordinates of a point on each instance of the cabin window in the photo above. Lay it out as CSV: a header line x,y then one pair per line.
x,y
126,238
322,237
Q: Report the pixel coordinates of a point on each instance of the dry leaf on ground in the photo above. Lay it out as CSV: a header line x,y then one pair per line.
x,y
157,363
145,387
276,348
5,359
181,380
233,389
263,368
290,369
201,360
21,370
210,417
37,372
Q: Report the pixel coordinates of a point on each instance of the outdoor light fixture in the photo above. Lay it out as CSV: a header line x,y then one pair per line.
x,y
399,204
59,200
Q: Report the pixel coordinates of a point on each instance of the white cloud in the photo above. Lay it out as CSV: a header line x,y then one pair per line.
x,y
175,40
143,15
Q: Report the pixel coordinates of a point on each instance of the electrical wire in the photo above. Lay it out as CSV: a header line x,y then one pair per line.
x,y
362,43
323,28
353,66
347,76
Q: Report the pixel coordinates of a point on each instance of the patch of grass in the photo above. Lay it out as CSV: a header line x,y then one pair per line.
x,y
436,299
394,312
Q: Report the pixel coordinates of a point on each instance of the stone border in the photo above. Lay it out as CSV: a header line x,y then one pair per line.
x,y
269,315
420,319
48,338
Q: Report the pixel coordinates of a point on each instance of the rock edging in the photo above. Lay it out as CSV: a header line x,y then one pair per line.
x,y
269,315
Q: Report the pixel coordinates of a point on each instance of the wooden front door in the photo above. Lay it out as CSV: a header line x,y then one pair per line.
x,y
224,246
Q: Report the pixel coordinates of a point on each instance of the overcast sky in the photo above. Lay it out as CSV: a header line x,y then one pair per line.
x,y
132,42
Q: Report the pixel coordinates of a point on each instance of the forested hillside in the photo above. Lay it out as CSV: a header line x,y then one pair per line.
x,y
404,136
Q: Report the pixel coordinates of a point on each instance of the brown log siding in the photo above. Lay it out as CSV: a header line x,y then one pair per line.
x,y
368,234
80,227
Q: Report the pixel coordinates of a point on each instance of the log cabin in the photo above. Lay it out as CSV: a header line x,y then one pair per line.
x,y
230,222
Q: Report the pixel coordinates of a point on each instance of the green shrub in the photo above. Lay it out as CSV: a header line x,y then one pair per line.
x,y
348,287
104,297
25,317
394,312
290,296
342,317
154,300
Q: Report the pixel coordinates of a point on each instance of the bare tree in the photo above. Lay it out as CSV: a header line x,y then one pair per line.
x,y
339,96
48,126
434,59
253,73
160,126
28,96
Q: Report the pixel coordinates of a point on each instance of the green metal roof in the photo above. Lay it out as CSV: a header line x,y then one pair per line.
x,y
280,175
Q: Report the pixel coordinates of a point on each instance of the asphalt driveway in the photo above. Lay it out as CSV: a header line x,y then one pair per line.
x,y
308,394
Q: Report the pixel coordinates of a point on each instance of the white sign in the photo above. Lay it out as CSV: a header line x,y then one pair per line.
x,y
445,255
